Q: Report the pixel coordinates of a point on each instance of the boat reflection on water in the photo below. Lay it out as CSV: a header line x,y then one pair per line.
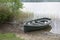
x,y
48,28
54,27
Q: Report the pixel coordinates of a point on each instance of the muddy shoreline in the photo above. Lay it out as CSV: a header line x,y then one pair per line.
x,y
47,34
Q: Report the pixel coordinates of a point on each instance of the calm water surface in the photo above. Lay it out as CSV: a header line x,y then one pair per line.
x,y
55,26
50,10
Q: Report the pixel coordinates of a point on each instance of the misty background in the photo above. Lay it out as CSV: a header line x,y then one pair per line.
x,y
43,8
40,0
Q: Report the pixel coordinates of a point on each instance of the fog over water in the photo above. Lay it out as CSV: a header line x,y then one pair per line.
x,y
45,9
40,0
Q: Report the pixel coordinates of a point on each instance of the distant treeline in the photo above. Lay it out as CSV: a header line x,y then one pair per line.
x,y
40,0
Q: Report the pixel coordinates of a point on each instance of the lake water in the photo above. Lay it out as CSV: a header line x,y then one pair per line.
x,y
55,26
45,9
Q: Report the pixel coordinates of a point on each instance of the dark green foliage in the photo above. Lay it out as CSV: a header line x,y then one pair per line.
x,y
16,3
9,10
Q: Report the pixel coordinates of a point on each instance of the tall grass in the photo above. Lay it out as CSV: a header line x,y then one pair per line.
x,y
24,16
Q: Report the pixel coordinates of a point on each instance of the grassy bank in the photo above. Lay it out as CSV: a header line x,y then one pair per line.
x,y
9,36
